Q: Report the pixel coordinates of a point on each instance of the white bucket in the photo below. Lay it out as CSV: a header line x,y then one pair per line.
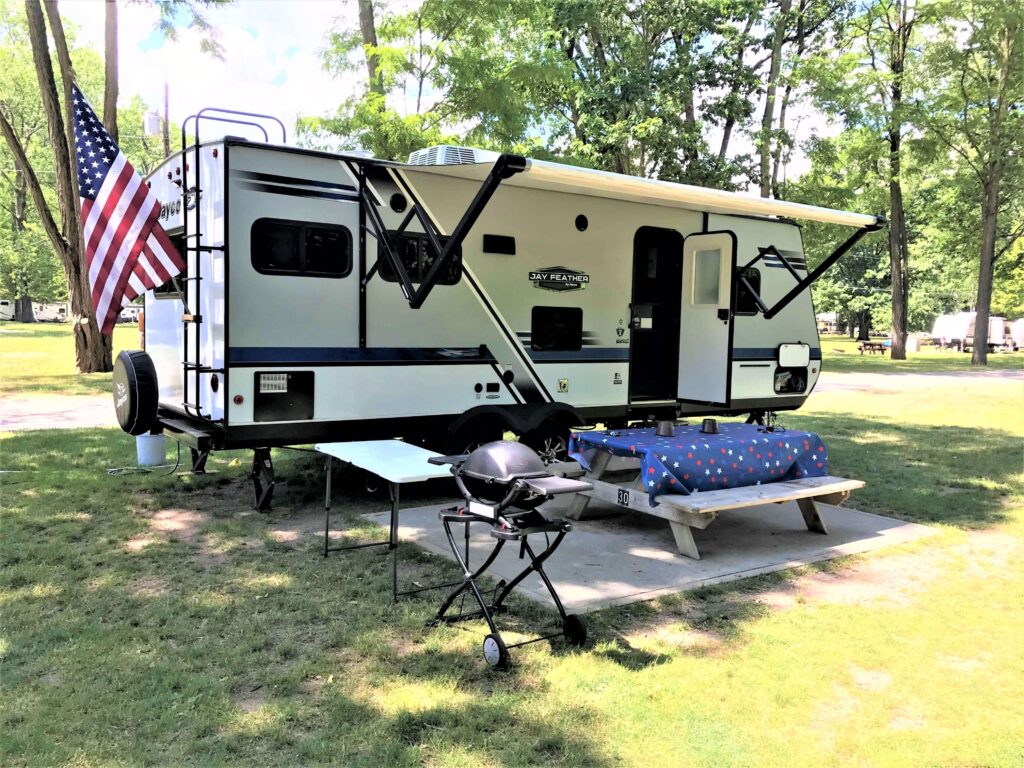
x,y
151,450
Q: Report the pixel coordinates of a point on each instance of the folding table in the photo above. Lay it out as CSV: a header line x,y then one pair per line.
x,y
395,462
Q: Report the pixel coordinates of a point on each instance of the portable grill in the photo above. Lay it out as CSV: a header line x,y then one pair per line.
x,y
503,484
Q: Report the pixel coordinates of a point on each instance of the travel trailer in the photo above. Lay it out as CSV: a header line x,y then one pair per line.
x,y
956,331
331,296
51,312
6,309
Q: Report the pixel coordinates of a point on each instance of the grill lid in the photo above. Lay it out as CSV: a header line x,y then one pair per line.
x,y
503,461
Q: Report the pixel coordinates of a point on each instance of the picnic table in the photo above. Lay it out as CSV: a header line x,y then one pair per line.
x,y
871,347
395,462
691,477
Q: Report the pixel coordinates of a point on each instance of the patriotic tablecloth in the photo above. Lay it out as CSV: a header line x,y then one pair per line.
x,y
740,454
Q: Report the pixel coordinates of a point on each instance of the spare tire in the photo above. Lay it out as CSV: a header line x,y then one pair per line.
x,y
136,392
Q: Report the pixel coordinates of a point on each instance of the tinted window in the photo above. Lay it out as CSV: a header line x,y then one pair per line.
x,y
745,304
557,329
418,255
299,248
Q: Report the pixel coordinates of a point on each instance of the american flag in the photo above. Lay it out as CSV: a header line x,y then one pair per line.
x,y
126,249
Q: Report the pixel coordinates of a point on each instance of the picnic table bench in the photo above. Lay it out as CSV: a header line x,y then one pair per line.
x,y
871,347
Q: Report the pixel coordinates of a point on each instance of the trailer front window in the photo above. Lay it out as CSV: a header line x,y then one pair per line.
x,y
301,249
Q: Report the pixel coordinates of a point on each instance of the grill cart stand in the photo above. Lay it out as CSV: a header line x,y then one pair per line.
x,y
503,483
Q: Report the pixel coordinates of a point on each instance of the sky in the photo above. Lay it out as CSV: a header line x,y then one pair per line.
x,y
271,61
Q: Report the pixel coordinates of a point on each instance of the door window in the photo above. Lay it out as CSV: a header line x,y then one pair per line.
x,y
707,276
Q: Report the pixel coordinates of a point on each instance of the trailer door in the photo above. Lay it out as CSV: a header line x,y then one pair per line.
x,y
705,323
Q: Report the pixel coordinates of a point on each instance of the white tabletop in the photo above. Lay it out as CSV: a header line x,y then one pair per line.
x,y
393,460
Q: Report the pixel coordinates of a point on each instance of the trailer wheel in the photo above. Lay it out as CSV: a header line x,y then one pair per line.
x,y
471,436
136,391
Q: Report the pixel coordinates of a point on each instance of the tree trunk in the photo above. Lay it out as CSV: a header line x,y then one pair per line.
x,y
368,30
23,309
92,349
989,220
764,141
110,83
864,331
990,200
898,261
898,258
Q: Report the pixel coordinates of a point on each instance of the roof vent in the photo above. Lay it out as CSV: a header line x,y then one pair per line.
x,y
446,154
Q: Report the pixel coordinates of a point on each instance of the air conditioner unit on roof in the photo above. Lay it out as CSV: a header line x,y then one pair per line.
x,y
447,154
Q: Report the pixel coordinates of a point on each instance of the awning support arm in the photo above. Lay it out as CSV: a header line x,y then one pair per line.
x,y
805,283
505,167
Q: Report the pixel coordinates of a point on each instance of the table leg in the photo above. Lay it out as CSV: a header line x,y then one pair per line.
x,y
327,506
684,540
812,516
579,502
394,542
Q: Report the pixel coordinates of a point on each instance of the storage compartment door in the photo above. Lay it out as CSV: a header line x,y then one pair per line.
x,y
705,320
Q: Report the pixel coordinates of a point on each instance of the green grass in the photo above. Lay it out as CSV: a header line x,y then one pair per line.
x,y
39,359
127,641
841,355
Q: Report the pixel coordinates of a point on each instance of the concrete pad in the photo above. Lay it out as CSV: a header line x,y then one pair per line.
x,y
617,557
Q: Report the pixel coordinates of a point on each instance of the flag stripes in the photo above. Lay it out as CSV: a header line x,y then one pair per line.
x,y
126,249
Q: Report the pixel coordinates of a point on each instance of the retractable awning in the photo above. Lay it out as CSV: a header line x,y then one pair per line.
x,y
540,174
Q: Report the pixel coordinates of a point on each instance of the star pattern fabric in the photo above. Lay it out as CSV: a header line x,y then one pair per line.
x,y
690,461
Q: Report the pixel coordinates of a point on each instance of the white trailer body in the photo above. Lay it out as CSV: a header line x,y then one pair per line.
x,y
6,309
957,330
575,297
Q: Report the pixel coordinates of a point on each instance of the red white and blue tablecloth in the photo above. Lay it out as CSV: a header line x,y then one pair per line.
x,y
689,461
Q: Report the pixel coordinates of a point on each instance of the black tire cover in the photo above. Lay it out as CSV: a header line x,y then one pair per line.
x,y
136,392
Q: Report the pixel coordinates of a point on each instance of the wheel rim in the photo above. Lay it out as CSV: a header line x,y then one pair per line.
x,y
552,448
492,651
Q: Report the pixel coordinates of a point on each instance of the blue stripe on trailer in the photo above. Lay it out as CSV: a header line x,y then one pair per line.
x,y
355,355
766,353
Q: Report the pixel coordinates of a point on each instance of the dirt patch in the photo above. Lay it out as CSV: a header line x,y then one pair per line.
x,y
148,587
168,525
872,680
250,697
965,665
907,720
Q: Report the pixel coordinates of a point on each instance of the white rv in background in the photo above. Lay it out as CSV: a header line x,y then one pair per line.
x,y
465,294
6,309
956,331
53,312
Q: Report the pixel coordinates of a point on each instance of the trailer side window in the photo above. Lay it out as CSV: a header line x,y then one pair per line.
x,y
556,329
745,304
173,287
300,249
418,254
